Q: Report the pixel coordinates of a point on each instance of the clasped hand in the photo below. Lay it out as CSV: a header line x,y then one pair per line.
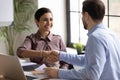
x,y
51,56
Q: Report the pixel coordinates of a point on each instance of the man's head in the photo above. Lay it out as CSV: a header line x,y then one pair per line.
x,y
92,10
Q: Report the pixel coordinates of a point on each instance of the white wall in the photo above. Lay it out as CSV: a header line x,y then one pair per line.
x,y
59,15
6,12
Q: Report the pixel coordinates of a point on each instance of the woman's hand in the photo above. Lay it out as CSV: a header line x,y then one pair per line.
x,y
53,56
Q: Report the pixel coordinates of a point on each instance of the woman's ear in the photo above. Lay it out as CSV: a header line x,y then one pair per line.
x,y
36,21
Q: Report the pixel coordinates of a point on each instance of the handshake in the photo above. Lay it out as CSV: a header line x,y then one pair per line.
x,y
50,56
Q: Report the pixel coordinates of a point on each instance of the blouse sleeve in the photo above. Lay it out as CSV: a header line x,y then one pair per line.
x,y
62,45
26,45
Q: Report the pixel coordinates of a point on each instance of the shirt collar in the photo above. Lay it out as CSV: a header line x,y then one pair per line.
x,y
95,27
49,37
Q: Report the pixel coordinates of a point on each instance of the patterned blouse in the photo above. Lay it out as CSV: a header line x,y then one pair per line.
x,y
36,42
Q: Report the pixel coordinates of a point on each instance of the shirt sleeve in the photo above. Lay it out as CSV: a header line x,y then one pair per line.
x,y
62,45
26,45
72,58
94,62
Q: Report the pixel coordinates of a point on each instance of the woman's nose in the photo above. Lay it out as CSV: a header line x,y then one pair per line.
x,y
49,22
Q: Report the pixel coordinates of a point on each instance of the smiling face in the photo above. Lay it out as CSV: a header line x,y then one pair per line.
x,y
45,22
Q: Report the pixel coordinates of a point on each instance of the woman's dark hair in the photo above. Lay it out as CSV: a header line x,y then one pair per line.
x,y
40,12
95,9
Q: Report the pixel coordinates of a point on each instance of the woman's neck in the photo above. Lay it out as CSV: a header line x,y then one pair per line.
x,y
44,34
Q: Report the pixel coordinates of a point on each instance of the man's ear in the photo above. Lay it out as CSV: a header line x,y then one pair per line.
x,y
86,15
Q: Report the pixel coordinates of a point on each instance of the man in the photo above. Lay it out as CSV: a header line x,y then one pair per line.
x,y
102,54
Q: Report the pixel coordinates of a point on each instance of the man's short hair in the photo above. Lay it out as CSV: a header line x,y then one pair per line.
x,y
95,9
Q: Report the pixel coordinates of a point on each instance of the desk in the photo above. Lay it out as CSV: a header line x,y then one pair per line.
x,y
32,67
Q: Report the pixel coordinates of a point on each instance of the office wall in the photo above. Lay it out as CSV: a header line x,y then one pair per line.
x,y
6,16
59,27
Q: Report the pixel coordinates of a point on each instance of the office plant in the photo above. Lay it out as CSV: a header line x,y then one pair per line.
x,y
23,12
79,47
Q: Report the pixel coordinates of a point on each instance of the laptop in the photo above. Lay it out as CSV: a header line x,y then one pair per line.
x,y
10,68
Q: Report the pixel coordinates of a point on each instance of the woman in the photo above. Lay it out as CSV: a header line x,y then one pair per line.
x,y
43,39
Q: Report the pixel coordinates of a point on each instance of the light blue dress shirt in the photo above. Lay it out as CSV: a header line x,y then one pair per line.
x,y
101,60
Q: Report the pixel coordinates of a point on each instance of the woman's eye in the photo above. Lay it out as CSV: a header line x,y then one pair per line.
x,y
46,19
51,19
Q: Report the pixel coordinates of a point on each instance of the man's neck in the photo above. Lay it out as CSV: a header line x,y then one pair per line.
x,y
93,24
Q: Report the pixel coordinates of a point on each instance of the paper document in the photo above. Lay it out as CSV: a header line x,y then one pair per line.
x,y
41,68
38,73
27,64
37,76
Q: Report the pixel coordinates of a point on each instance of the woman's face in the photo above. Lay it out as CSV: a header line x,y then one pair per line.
x,y
45,22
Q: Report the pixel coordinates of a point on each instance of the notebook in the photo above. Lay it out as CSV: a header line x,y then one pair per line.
x,y
10,68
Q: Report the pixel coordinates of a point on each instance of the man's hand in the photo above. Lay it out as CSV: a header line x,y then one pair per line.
x,y
53,56
50,56
51,72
